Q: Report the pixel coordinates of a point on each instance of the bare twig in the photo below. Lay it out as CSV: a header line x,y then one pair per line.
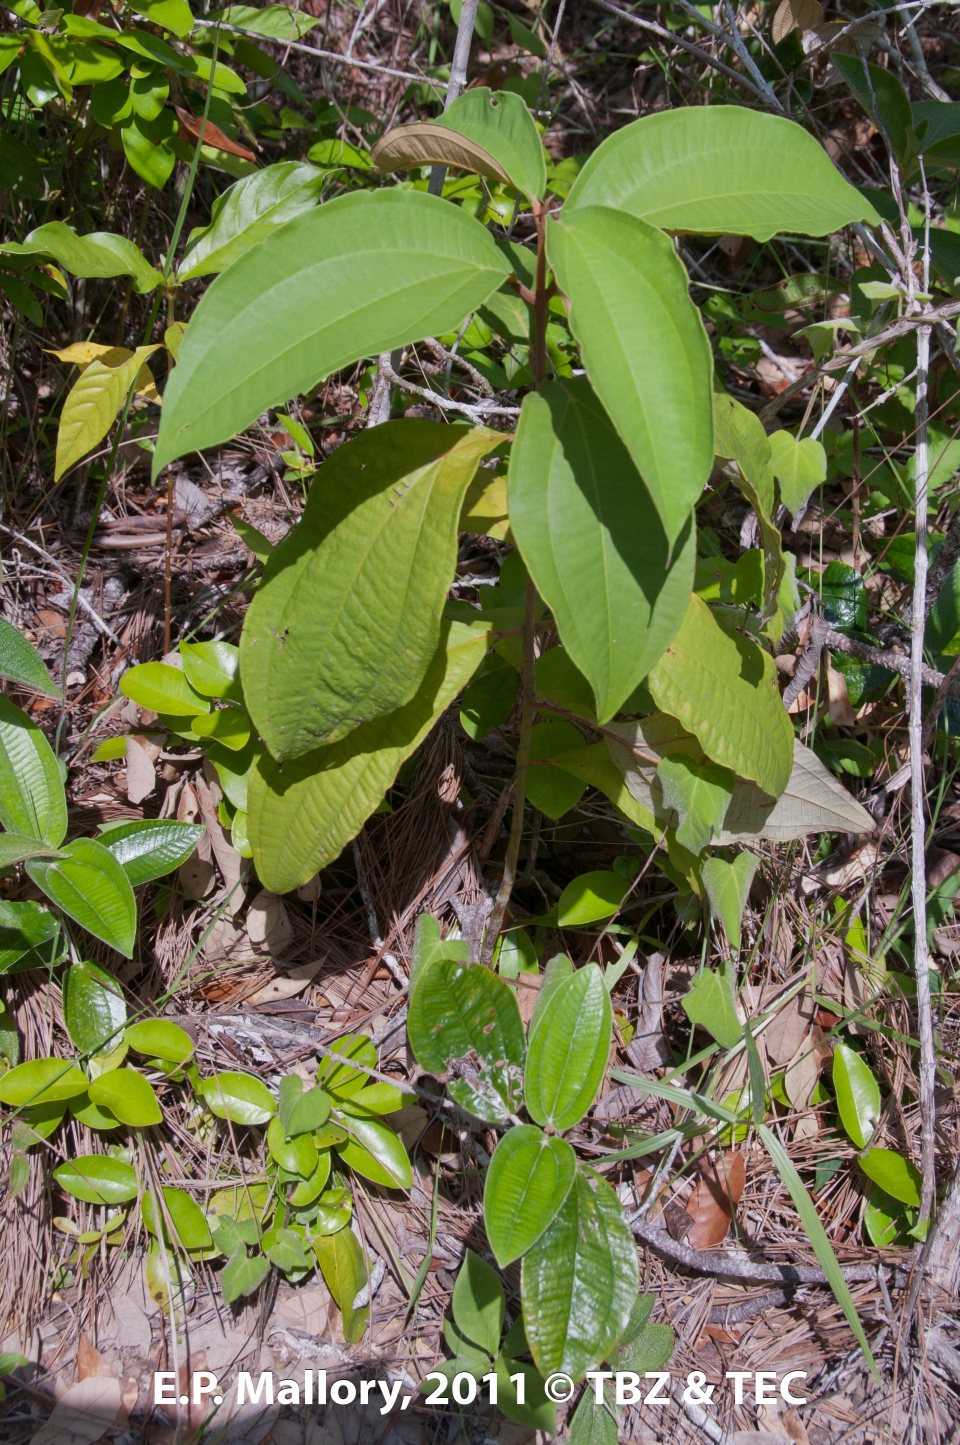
x,y
458,78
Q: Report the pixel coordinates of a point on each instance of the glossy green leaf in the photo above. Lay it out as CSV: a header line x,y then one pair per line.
x,y
90,885
305,1191
568,1052
478,1303
529,1177
816,1234
98,254
728,887
296,1156
20,662
343,1267
301,817
858,1095
720,170
163,689
698,794
94,1009
148,848
289,312
188,1219
243,1275
723,688
644,349
558,970
339,1078
213,668
709,1002
234,770
882,1219
160,1039
229,726
551,790
373,556
593,541
128,1096
32,800
238,1097
579,1281
247,212
376,1099
174,15
98,1179
94,1116
41,1081
591,897
464,1023
894,1174
799,467
308,1112
500,122
515,953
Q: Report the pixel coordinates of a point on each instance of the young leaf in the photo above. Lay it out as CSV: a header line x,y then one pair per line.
x,y
148,848
478,1303
501,123
41,1081
817,1236
710,1004
243,1275
94,1009
894,1174
595,546
373,556
858,1095
292,310
644,348
249,211
27,929
163,689
98,1179
464,1023
300,818
238,1097
128,1096
799,467
723,689
32,800
160,1039
579,1281
89,884
720,170
274,22
21,663
192,1229
699,794
529,1177
94,401
568,1052
429,948
728,887
229,726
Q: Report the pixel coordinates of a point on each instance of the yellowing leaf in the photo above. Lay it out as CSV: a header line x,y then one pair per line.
x,y
94,401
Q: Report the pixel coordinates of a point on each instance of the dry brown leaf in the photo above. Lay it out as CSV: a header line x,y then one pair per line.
x,y
212,134
188,805
287,985
423,143
408,1123
941,865
141,773
793,1426
197,877
528,991
714,1198
796,15
90,1362
841,710
268,922
802,1073
786,1031
83,1413
228,859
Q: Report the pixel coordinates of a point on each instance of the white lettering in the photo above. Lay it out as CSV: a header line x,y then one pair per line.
x,y
389,1392
738,1377
596,1378
343,1392
766,1388
246,1391
162,1391
628,1391
654,1397
785,1387
199,1388
288,1393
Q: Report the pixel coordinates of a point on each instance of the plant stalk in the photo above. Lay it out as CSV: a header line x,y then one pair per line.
x,y
457,83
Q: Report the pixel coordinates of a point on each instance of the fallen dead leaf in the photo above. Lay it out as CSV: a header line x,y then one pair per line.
x,y
268,922
714,1198
141,772
802,1073
784,1034
197,877
289,984
840,708
83,1413
90,1363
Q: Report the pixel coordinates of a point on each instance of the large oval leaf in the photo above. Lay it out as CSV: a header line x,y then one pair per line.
x,y
90,885
97,1179
895,1175
593,541
148,848
644,348
858,1095
160,1039
246,213
32,800
41,1081
128,1096
529,1178
579,1281
213,668
569,1050
95,399
464,1024
94,1009
720,169
163,689
372,558
302,816
185,1214
723,688
376,1152
238,1097
363,274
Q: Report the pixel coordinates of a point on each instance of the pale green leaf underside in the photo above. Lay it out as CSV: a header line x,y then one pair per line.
x,y
301,817
363,274
504,127
723,689
98,254
247,213
372,559
720,170
644,348
593,542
